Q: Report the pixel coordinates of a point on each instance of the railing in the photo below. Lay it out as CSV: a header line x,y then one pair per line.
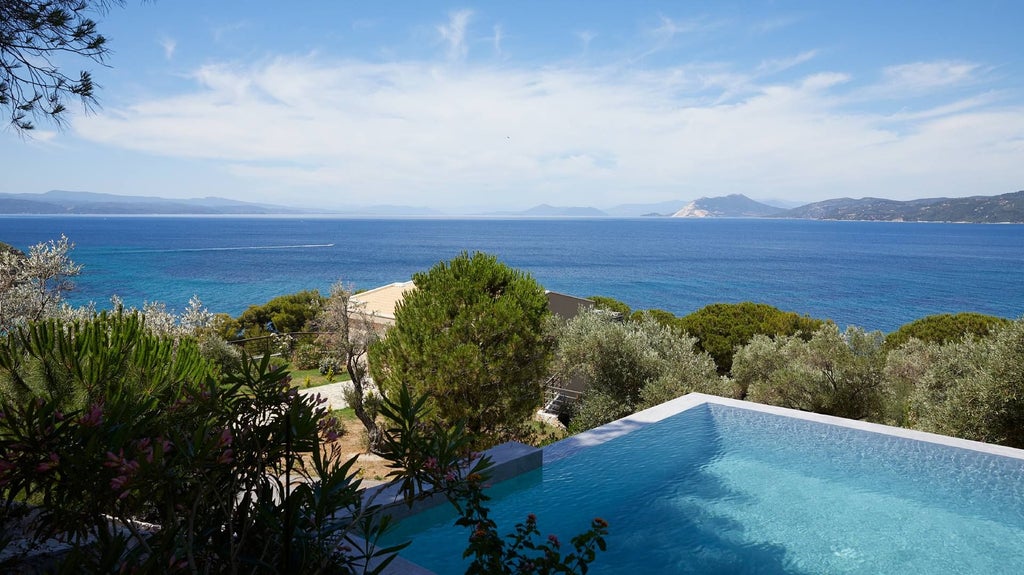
x,y
557,398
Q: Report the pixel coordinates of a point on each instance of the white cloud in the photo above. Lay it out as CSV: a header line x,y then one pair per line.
x,y
454,33
169,45
427,133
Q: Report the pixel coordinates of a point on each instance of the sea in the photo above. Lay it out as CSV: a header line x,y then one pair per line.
x,y
875,275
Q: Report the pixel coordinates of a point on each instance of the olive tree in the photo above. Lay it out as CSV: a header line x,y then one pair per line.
x,y
33,285
347,330
834,373
627,366
971,388
471,337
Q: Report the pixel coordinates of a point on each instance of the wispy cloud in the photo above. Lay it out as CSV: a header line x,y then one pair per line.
x,y
923,77
453,33
499,35
169,45
776,65
585,38
414,131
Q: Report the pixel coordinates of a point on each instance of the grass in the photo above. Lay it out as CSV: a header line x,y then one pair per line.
x,y
304,378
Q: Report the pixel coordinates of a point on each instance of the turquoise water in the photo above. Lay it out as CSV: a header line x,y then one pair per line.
x,y
718,489
872,274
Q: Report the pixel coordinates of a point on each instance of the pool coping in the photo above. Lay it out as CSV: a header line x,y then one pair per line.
x,y
572,445
640,419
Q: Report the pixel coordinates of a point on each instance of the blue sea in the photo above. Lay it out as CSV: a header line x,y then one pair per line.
x,y
876,275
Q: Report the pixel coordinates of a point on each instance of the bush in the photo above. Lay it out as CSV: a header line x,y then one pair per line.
x,y
944,328
145,433
306,356
330,364
471,338
973,388
153,465
626,366
722,327
834,373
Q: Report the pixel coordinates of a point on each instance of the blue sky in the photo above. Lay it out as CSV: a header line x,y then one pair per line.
x,y
504,105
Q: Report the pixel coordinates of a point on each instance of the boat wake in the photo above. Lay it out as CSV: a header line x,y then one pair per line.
x,y
230,249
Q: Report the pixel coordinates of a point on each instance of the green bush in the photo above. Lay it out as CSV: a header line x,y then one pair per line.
x,y
944,328
470,337
833,373
626,366
722,327
306,356
155,464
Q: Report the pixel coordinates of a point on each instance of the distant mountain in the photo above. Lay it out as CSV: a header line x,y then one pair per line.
x,y
1005,208
637,210
731,206
64,202
548,211
386,210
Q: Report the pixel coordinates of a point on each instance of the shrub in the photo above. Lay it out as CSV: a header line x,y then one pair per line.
x,y
944,328
626,366
471,338
834,373
722,327
306,356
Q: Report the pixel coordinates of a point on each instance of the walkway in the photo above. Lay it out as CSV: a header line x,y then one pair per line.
x,y
334,392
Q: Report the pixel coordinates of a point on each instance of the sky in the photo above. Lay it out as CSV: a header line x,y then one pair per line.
x,y
506,105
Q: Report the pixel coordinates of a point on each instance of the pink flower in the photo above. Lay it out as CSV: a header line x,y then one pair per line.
x,y
51,462
554,541
93,417
227,457
225,437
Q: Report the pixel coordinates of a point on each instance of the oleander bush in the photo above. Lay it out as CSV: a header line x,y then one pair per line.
x,y
134,454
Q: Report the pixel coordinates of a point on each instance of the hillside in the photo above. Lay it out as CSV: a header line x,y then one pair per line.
x,y
1005,208
62,202
731,206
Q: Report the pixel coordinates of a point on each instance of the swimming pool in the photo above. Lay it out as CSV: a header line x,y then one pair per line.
x,y
731,487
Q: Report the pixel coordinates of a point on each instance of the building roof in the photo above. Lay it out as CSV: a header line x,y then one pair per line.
x,y
381,301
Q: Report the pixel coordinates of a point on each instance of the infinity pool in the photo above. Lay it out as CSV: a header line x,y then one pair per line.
x,y
729,487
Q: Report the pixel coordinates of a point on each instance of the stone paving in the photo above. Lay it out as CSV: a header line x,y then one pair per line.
x,y
334,392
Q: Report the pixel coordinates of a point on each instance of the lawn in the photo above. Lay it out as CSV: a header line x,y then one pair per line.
x,y
304,378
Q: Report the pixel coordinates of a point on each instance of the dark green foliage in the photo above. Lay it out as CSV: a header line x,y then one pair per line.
x,y
610,304
283,314
236,473
174,471
722,327
9,249
79,363
661,316
34,36
943,328
471,338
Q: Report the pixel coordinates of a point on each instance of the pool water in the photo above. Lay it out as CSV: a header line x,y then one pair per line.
x,y
721,489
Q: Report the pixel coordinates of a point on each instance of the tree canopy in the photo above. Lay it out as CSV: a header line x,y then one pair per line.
x,y
35,36
720,328
471,337
943,328
283,314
